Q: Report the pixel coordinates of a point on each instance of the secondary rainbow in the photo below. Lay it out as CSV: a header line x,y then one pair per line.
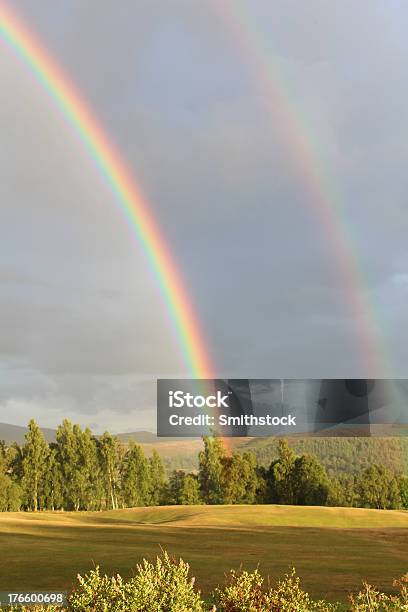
x,y
127,195
323,195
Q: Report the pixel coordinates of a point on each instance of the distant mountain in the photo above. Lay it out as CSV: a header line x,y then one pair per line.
x,y
15,433
148,437
142,437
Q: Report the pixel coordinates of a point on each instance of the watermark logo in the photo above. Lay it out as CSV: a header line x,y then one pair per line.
x,y
181,399
281,407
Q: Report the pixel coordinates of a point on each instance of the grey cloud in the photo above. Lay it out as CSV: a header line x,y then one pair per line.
x,y
179,93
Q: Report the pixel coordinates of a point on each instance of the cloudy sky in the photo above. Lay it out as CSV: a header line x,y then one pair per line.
x,y
192,94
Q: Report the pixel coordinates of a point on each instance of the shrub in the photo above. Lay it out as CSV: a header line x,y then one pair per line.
x,y
369,599
99,593
163,586
166,586
244,593
34,609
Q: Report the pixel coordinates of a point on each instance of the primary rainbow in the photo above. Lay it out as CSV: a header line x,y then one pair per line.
x,y
127,195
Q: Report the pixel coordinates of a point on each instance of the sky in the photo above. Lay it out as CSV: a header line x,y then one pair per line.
x,y
182,90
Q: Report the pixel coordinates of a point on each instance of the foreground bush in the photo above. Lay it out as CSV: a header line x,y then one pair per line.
x,y
166,586
371,600
244,592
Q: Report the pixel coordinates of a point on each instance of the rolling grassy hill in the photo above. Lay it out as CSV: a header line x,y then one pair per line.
x,y
333,549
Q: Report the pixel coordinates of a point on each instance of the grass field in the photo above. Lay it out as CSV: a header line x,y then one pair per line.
x,y
333,549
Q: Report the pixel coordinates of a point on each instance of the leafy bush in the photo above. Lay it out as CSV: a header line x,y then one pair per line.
x,y
163,586
244,593
369,599
34,609
99,593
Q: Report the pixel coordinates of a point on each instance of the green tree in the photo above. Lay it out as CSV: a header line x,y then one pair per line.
x,y
190,491
76,454
343,492
299,480
309,482
87,469
136,478
210,470
378,488
15,461
403,486
174,487
279,476
239,478
110,466
3,455
35,453
183,489
53,486
66,457
10,494
157,479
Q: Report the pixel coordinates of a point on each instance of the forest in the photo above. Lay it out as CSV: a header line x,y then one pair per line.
x,y
81,471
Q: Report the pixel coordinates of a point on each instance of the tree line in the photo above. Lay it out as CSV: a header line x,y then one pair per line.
x,y
80,471
340,456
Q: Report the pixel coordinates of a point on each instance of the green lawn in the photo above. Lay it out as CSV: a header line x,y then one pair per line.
x,y
333,549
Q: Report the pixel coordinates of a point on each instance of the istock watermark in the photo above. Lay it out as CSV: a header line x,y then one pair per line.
x,y
281,407
179,399
191,408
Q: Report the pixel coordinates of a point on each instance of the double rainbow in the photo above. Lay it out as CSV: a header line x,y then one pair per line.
x,y
126,193
300,142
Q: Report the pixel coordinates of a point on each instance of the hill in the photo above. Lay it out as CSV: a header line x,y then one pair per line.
x,y
333,549
339,455
15,433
